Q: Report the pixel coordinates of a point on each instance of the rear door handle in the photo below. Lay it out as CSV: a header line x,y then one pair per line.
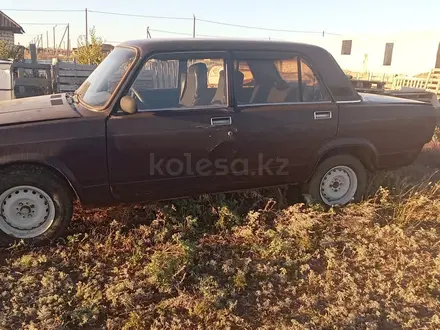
x,y
322,115
221,121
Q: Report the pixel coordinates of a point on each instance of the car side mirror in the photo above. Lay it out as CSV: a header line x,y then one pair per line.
x,y
128,104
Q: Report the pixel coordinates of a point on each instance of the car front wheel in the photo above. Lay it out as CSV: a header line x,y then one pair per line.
x,y
35,205
338,180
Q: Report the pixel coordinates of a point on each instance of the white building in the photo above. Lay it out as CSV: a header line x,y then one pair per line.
x,y
410,53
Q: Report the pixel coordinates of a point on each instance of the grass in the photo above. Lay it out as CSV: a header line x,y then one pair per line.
x,y
233,261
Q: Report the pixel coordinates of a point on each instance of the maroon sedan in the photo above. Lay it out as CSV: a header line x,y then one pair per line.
x,y
168,119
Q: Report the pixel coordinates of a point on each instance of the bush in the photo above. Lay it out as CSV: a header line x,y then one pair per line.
x,y
9,51
91,53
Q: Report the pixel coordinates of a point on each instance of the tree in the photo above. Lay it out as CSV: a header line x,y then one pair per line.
x,y
91,54
10,51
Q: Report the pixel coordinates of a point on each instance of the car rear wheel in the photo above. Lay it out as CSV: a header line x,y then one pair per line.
x,y
338,180
35,205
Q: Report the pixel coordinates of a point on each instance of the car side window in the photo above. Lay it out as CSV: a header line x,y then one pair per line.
x,y
268,81
180,83
312,89
288,69
287,80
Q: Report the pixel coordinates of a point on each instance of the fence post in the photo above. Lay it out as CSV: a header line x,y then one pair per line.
x,y
55,73
428,79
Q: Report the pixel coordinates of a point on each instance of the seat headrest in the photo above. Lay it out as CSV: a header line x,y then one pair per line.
x,y
195,86
220,94
200,71
238,78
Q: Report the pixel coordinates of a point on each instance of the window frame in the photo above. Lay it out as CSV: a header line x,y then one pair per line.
x,y
279,55
119,87
175,55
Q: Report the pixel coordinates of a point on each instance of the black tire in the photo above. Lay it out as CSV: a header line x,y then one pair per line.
x,y
47,181
314,185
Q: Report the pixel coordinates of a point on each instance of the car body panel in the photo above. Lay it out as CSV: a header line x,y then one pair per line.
x,y
135,142
38,108
281,135
75,147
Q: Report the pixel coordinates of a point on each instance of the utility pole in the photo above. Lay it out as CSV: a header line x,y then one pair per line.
x,y
194,26
62,39
68,39
47,40
148,33
87,30
54,46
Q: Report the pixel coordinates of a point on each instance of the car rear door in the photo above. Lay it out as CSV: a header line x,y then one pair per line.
x,y
284,119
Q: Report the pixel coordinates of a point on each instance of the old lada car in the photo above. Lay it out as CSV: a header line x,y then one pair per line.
x,y
162,119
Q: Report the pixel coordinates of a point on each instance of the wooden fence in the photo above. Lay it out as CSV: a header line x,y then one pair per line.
x,y
69,76
159,75
31,79
431,83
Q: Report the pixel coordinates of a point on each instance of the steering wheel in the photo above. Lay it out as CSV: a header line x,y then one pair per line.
x,y
137,94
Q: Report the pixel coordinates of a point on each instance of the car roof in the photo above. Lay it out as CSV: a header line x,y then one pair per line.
x,y
200,44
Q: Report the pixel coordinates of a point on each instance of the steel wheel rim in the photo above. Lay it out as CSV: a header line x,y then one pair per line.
x,y
338,186
26,212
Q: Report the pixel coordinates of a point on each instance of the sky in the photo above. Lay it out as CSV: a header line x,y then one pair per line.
x,y
333,16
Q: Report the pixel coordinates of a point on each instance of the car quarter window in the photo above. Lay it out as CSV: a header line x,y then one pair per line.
x,y
312,89
179,82
271,80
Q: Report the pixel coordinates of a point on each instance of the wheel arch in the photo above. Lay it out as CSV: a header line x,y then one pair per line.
x,y
51,164
364,150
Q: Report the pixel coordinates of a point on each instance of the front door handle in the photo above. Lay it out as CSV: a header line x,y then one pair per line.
x,y
221,121
322,115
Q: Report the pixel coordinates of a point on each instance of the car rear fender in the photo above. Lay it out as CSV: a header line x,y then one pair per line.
x,y
364,150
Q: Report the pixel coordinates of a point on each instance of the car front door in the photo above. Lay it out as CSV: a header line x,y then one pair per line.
x,y
284,115
183,122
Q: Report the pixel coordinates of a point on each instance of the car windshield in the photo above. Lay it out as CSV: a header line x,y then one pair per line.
x,y
97,90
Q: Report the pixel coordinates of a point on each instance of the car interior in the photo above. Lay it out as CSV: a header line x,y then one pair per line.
x,y
192,88
267,86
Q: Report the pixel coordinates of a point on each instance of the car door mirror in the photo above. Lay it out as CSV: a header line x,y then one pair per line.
x,y
128,104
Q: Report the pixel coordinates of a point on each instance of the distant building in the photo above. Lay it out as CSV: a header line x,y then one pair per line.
x,y
408,53
391,53
8,27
